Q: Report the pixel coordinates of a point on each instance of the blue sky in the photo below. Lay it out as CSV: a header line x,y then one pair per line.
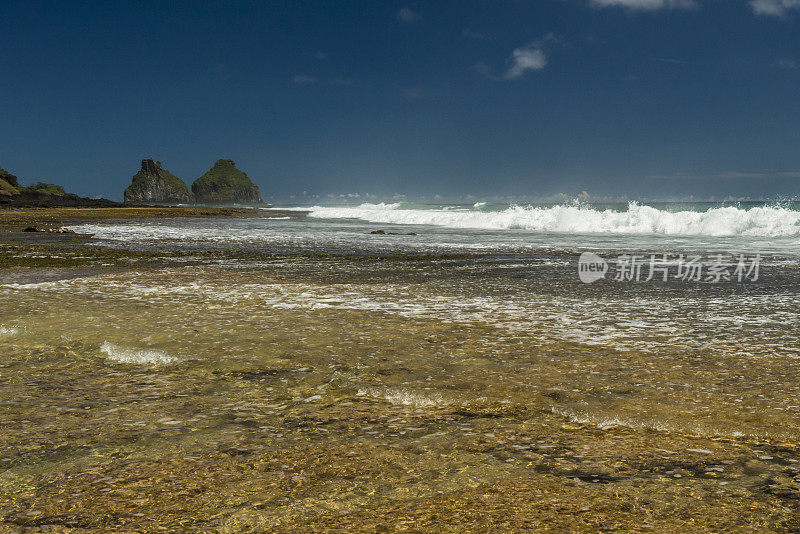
x,y
637,98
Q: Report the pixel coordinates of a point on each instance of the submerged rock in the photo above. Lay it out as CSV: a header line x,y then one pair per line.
x,y
384,232
35,229
225,184
152,184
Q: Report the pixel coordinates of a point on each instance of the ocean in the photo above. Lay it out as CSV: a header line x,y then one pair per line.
x,y
490,228
515,268
296,367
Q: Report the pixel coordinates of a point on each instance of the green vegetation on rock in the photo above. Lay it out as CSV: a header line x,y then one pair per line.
x,y
41,195
46,189
152,184
224,183
8,184
7,189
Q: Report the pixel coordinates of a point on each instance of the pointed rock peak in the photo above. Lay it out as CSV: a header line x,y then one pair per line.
x,y
151,166
153,184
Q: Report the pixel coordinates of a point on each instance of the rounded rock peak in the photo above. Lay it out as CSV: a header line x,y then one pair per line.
x,y
221,162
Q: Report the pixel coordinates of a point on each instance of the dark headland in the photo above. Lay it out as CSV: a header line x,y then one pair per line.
x,y
43,195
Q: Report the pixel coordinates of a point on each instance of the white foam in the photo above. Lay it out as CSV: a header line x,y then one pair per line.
x,y
763,221
607,422
36,285
7,331
401,396
644,323
126,355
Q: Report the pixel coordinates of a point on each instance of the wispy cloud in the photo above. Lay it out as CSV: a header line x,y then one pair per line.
x,y
770,8
320,55
304,79
758,175
740,175
482,68
676,61
471,34
528,58
412,93
647,5
728,175
774,8
788,64
406,15
525,59
219,70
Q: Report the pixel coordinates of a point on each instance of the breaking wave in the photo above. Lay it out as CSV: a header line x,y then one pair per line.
x,y
761,221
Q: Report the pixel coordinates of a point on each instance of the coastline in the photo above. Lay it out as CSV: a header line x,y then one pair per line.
x,y
225,390
16,219
50,253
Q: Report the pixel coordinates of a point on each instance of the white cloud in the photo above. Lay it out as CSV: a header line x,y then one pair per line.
x,y
788,64
647,5
302,79
774,8
408,16
531,57
525,59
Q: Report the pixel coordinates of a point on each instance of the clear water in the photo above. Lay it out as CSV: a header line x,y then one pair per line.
x,y
295,372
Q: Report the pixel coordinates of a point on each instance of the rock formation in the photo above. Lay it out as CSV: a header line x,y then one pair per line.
x,y
42,195
46,189
154,185
225,184
8,184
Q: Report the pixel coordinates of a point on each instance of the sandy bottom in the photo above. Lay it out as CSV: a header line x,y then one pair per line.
x,y
147,392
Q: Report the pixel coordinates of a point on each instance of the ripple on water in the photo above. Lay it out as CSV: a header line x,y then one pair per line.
x,y
127,355
405,397
7,331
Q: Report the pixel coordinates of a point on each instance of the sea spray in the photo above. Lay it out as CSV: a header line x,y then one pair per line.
x,y
761,221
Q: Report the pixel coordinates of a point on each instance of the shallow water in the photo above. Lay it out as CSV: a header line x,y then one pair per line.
x,y
299,392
